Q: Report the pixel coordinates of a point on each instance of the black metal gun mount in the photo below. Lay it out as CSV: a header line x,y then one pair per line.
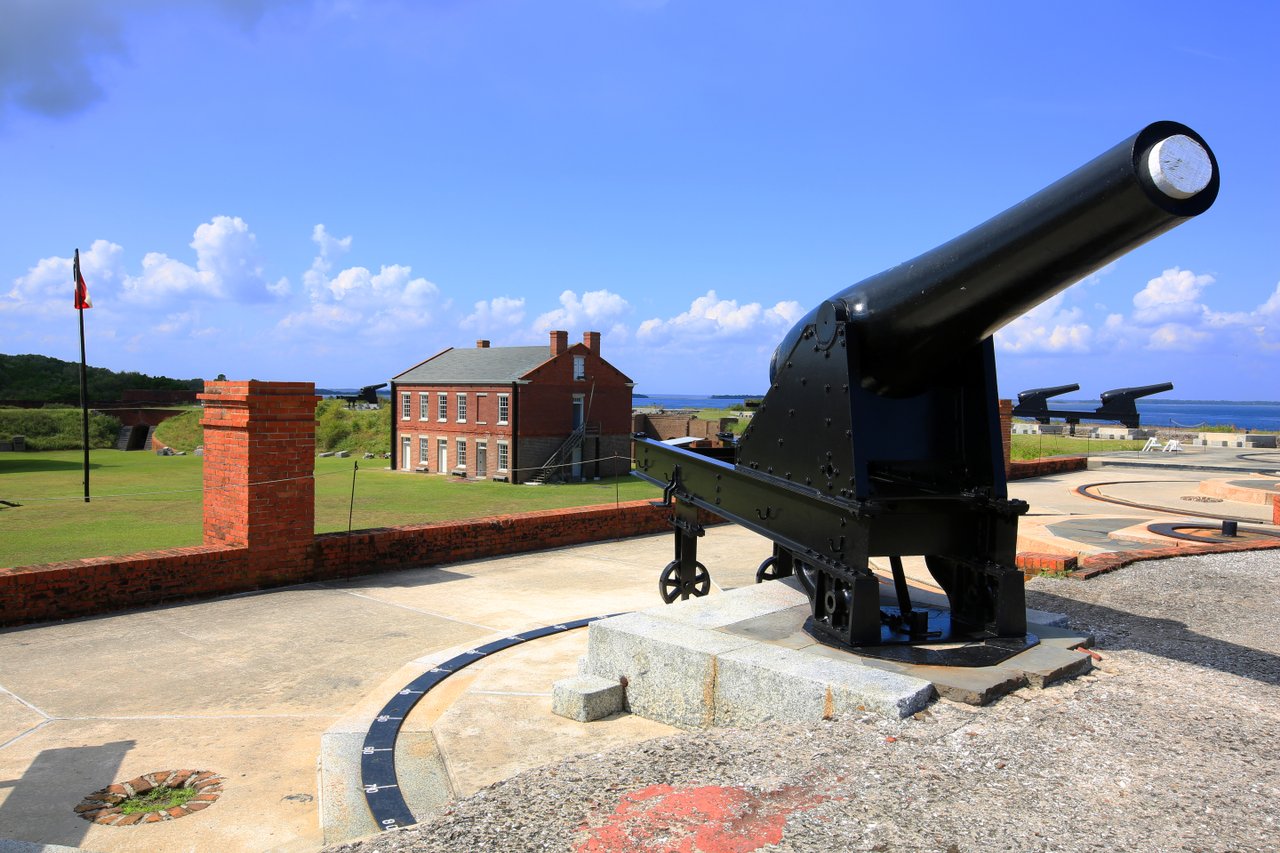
x,y
879,435
1118,404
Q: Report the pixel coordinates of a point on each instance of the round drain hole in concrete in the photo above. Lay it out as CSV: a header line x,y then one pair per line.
x,y
152,798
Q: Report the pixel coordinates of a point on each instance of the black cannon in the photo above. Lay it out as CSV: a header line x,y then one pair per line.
x,y
1118,404
879,435
1034,402
368,394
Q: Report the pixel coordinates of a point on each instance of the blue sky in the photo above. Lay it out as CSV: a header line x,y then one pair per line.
x,y
332,191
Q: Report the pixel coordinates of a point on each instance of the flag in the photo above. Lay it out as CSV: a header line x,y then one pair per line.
x,y
82,289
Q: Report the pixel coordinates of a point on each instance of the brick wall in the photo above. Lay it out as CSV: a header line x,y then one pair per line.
x,y
1023,470
259,524
1006,431
663,427
104,584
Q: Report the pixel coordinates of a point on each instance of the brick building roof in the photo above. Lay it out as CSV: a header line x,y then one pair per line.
x,y
482,365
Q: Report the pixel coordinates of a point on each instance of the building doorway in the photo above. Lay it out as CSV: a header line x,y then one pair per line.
x,y
406,448
442,450
482,459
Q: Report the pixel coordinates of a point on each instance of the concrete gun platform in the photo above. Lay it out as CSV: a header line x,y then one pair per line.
x,y
247,686
744,658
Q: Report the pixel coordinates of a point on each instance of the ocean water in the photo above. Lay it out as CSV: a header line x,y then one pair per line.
x,y
1263,415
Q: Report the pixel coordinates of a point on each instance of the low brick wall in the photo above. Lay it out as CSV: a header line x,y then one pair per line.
x,y
105,584
387,548
1022,470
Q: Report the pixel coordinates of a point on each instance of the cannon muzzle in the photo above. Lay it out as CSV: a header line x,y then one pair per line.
x,y
1118,395
1038,396
903,322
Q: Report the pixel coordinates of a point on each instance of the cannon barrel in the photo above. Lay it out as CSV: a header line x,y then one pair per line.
x,y
1119,395
1040,395
907,319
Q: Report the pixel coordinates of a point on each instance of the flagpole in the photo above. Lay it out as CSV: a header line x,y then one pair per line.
x,y
84,386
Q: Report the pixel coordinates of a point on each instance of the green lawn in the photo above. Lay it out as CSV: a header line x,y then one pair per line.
x,y
1040,446
141,501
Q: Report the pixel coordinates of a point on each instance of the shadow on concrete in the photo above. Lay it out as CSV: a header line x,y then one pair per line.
x,y
40,805
1166,638
400,578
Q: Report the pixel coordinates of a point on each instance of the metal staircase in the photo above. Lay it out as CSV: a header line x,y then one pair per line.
x,y
553,470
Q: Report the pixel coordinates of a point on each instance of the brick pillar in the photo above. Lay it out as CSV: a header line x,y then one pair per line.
x,y
1006,430
1275,509
264,434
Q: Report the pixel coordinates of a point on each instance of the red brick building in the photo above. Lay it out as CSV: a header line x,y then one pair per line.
x,y
514,413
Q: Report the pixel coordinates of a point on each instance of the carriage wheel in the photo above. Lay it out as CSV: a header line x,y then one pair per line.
x,y
669,586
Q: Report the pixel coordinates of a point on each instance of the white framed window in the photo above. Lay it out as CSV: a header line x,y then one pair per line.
x,y
405,406
504,409
462,408
504,456
579,367
424,405
460,453
442,407
424,450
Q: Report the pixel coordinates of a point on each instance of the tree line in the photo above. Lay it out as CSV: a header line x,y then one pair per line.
x,y
43,379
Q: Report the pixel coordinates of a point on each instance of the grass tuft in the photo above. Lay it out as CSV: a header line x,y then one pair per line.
x,y
157,800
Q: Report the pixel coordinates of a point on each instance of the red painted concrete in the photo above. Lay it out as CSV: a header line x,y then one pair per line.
x,y
708,819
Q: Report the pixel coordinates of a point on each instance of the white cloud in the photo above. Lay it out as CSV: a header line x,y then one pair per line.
x,y
1271,308
334,318
226,268
502,313
381,306
593,310
1176,336
1174,294
47,286
709,316
316,279
1047,328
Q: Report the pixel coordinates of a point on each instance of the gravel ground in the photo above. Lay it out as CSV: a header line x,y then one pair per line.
x,y
1170,744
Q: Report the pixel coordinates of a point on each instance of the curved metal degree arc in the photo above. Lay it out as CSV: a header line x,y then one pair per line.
x,y
377,760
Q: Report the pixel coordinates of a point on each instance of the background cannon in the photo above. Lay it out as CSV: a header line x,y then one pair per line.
x,y
1034,402
1118,404
368,395
879,435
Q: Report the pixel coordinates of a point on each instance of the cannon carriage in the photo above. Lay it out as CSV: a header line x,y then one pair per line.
x,y
880,434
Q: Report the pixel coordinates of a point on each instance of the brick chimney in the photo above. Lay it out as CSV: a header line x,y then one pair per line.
x,y
482,344
592,341
559,342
